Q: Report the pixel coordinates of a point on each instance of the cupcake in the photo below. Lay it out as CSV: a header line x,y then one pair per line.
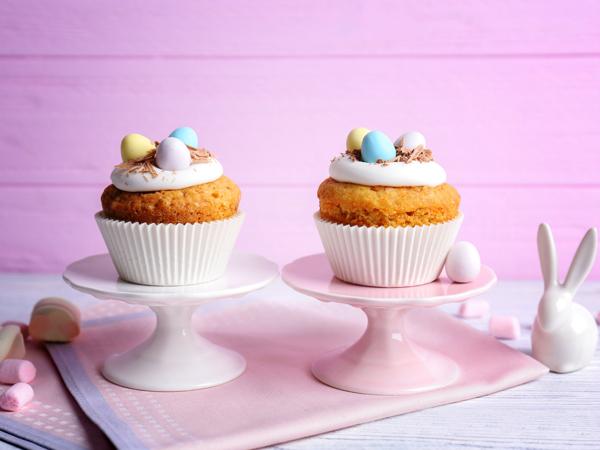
x,y
387,217
170,216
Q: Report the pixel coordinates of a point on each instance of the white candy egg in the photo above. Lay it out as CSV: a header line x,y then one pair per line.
x,y
172,154
411,140
463,262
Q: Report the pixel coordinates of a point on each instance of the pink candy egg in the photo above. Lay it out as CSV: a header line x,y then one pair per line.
x,y
172,154
463,262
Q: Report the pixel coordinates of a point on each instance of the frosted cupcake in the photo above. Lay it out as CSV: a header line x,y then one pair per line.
x,y
170,216
386,215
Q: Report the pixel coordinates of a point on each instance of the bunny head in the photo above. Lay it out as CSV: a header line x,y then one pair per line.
x,y
557,297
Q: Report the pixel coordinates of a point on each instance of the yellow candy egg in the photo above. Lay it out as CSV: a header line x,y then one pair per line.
x,y
355,138
134,146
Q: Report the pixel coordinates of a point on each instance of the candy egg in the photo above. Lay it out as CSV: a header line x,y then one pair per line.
x,y
134,146
411,140
172,154
463,262
377,146
355,138
187,135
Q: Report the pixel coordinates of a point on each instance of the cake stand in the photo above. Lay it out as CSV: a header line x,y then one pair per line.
x,y
174,357
384,360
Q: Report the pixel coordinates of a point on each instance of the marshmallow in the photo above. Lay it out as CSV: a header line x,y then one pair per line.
x,y
16,397
12,344
17,371
505,327
23,326
474,309
54,319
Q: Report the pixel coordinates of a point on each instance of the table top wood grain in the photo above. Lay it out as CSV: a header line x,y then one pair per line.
x,y
555,412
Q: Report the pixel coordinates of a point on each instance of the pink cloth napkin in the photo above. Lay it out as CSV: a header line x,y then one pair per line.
x,y
276,399
52,419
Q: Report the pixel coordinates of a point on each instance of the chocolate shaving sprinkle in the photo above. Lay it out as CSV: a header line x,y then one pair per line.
x,y
354,154
147,164
200,155
420,154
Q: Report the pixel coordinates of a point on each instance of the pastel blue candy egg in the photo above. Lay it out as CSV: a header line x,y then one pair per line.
x,y
187,135
172,154
377,146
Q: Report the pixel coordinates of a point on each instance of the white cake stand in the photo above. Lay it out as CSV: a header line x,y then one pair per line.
x,y
384,360
174,357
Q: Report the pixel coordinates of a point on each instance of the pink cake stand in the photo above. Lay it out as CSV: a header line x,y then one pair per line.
x,y
384,360
174,357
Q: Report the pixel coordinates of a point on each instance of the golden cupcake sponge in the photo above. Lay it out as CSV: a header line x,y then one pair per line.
x,y
355,204
205,202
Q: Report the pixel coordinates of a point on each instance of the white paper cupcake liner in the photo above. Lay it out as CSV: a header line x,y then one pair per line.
x,y
170,254
387,256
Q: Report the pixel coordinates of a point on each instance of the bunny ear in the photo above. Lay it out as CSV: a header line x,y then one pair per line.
x,y
583,260
547,252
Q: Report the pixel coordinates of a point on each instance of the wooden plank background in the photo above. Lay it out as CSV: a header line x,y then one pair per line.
x,y
507,93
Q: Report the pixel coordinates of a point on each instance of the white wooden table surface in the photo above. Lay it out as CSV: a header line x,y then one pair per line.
x,y
555,412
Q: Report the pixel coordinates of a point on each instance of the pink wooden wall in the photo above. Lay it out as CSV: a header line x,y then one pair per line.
x,y
507,93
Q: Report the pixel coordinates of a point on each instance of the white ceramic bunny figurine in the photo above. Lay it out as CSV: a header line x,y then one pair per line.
x,y
565,334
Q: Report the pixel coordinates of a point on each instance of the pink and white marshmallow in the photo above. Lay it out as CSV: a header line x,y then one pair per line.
x,y
16,397
23,326
54,319
474,309
14,371
12,344
505,327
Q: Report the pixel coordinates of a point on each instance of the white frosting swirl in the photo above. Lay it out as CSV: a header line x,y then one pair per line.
x,y
392,174
197,173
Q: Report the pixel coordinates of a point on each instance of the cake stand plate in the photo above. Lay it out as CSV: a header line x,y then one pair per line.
x,y
384,360
174,357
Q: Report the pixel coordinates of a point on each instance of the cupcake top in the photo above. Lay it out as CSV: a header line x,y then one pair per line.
x,y
372,159
176,162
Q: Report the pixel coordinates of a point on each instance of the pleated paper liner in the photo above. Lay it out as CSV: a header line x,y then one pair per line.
x,y
387,256
170,254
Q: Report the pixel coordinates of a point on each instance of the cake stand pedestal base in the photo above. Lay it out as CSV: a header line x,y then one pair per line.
x,y
174,358
383,361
